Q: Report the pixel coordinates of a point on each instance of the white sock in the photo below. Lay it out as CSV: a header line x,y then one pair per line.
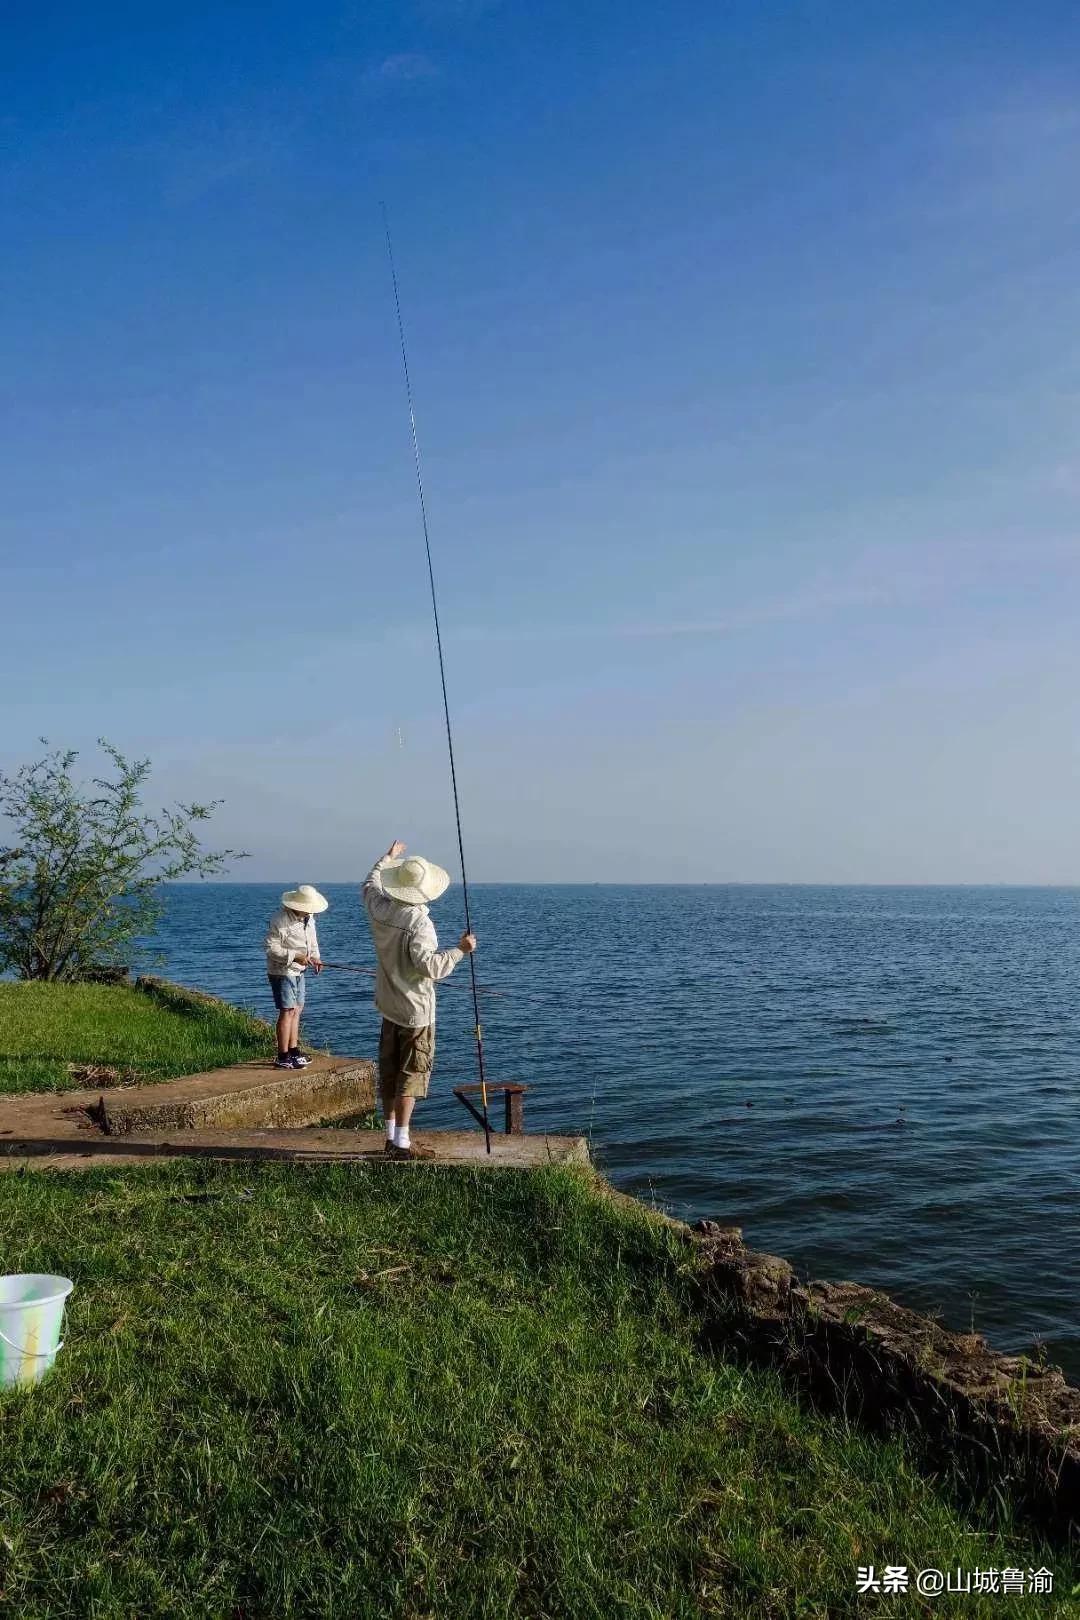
x,y
401,1137
390,1127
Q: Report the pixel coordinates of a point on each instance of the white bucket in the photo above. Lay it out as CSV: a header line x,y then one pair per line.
x,y
31,1311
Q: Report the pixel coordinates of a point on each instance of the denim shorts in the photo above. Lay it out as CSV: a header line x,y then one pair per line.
x,y
288,990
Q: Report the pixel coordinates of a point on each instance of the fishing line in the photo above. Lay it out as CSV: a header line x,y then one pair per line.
x,y
370,972
592,1109
477,1027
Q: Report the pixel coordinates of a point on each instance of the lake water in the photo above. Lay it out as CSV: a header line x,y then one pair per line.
x,y
878,1084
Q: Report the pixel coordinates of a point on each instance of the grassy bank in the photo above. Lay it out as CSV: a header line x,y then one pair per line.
x,y
46,1028
413,1392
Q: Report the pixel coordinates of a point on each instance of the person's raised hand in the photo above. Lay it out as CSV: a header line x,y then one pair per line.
x,y
396,848
467,944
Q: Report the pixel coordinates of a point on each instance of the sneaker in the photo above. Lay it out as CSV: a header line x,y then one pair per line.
x,y
413,1152
299,1060
286,1063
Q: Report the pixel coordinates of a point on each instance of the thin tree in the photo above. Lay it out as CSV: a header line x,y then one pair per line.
x,y
80,878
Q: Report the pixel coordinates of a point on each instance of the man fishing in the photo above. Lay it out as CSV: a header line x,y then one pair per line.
x,y
292,946
397,894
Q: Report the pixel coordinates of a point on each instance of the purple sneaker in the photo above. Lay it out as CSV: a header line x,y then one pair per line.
x,y
287,1063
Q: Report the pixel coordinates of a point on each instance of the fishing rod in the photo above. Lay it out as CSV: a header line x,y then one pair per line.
x,y
353,967
442,677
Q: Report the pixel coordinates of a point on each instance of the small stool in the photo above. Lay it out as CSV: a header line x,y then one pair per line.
x,y
513,1097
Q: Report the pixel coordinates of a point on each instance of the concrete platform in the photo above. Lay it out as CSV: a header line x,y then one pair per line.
x,y
250,1112
327,1146
242,1095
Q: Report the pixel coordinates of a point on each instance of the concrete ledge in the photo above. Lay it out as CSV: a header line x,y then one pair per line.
x,y
245,1094
329,1146
344,1146
1004,1425
215,1116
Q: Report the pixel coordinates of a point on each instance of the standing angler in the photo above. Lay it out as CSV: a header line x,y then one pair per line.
x,y
292,946
396,896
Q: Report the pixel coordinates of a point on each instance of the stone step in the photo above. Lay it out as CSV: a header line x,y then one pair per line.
x,y
332,1145
245,1094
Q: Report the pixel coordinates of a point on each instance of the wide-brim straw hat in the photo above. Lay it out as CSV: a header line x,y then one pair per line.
x,y
414,881
305,898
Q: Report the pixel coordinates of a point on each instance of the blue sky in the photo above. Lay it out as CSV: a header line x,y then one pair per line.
x,y
745,346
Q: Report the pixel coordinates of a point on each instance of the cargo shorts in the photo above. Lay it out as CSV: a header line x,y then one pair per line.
x,y
406,1058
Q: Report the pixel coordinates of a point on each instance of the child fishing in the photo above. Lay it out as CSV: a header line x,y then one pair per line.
x,y
396,897
292,946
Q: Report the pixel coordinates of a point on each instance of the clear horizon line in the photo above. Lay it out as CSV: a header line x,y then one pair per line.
x,y
647,883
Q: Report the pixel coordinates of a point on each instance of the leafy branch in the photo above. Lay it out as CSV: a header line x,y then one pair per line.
x,y
80,879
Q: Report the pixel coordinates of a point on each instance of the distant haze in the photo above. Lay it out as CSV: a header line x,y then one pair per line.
x,y
744,349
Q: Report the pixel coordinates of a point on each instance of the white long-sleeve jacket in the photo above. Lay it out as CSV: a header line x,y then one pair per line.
x,y
288,937
410,961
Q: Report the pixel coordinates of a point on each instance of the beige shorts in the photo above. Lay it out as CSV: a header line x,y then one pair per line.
x,y
406,1058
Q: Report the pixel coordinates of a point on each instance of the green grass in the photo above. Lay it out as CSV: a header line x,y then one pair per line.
x,y
383,1391
46,1027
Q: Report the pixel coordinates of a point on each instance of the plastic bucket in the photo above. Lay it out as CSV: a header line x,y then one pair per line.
x,y
31,1312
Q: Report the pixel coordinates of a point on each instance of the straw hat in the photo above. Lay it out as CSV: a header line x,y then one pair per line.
x,y
305,898
415,881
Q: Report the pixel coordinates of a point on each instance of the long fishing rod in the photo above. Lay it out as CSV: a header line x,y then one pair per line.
x,y
354,967
442,676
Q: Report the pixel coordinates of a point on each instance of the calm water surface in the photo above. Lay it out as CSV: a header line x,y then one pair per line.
x,y
879,1084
